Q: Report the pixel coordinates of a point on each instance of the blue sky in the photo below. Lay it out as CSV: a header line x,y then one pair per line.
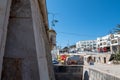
x,y
83,19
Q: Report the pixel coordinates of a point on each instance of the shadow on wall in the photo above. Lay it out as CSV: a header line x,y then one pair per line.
x,y
86,76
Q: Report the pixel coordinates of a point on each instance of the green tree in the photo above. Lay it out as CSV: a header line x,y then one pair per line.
x,y
65,49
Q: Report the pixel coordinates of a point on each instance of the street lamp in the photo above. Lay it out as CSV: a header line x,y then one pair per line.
x,y
54,21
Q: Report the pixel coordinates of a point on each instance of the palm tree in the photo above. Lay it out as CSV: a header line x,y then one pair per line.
x,y
117,29
117,53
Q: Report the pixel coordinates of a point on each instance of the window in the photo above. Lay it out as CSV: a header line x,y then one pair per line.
x,y
114,41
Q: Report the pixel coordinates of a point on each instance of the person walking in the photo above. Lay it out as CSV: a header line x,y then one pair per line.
x,y
90,60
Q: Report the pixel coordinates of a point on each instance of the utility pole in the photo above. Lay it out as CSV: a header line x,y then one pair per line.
x,y
68,46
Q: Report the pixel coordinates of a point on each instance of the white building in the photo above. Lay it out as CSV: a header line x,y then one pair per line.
x,y
103,43
115,42
87,45
108,42
115,39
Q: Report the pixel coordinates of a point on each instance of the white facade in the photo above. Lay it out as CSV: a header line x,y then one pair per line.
x,y
108,42
87,45
103,41
115,39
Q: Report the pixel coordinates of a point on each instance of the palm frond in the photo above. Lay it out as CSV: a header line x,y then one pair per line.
x,y
117,29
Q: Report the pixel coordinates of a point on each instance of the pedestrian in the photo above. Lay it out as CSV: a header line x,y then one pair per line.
x,y
90,60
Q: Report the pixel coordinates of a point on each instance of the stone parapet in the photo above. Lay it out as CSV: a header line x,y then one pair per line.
x,y
107,72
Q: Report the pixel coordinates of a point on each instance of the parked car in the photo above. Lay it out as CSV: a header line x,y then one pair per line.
x,y
75,60
55,61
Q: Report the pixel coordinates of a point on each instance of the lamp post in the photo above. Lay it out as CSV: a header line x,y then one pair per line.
x,y
54,21
52,32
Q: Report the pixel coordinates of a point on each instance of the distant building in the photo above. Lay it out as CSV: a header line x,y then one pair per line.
x,y
103,43
55,52
108,43
72,49
87,45
115,42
